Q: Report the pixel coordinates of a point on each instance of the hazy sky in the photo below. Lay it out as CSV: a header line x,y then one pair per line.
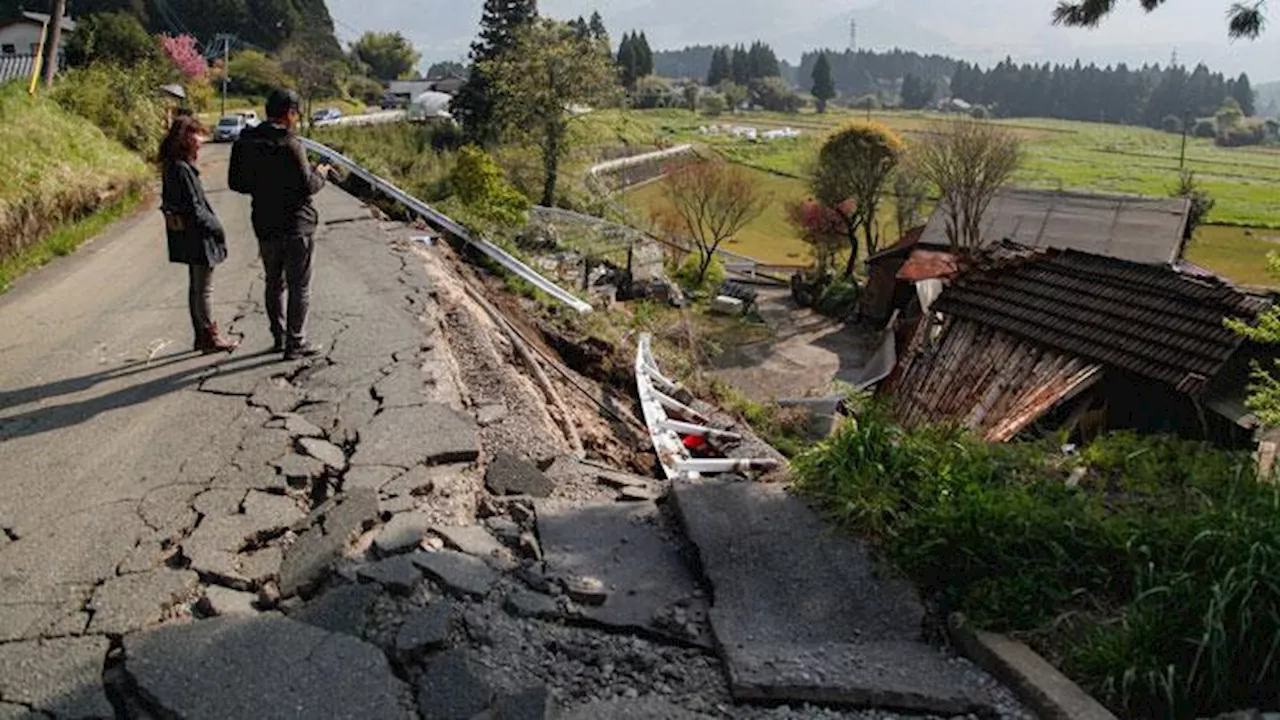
x,y
981,30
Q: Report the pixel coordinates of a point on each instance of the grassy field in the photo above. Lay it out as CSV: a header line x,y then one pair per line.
x,y
1060,154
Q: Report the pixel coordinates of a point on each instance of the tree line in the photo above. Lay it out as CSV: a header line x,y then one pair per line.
x,y
741,64
1143,96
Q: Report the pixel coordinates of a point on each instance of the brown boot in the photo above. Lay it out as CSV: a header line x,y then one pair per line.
x,y
212,341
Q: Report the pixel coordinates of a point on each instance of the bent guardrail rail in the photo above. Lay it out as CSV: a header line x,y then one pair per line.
x,y
445,224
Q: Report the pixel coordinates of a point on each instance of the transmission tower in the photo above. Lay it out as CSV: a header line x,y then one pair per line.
x,y
853,35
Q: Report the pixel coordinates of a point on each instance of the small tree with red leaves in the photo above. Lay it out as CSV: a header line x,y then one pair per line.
x,y
824,229
184,54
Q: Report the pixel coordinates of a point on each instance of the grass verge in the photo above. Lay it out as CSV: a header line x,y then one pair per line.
x,y
1153,578
64,240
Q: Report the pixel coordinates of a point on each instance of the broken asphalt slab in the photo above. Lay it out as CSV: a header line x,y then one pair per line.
x,y
510,475
313,555
264,667
800,613
61,676
133,602
430,434
636,559
452,689
457,573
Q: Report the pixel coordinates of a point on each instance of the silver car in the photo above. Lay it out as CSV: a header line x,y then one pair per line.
x,y
228,128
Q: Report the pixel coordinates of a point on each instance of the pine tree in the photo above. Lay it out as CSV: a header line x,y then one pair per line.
x,y
740,67
824,85
720,69
476,100
644,56
598,30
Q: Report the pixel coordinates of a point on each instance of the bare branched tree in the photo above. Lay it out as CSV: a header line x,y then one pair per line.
x,y
713,200
968,161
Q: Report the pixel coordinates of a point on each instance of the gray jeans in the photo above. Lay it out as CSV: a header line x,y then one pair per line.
x,y
287,262
199,296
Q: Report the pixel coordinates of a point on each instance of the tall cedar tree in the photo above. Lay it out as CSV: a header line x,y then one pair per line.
x,y
629,61
824,85
720,68
598,30
644,56
476,101
740,66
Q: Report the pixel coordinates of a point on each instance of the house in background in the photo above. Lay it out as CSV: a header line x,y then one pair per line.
x,y
1136,229
1067,340
20,43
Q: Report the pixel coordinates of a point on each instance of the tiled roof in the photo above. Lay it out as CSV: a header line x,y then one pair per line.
x,y
1148,320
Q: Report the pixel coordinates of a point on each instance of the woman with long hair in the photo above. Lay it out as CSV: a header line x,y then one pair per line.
x,y
196,238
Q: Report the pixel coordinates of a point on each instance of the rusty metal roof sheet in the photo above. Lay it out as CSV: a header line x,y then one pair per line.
x,y
1139,229
1148,320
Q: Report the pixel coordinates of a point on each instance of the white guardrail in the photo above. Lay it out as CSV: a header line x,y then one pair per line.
x,y
447,225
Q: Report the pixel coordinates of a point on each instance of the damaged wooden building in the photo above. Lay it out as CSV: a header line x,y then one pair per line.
x,y
1029,342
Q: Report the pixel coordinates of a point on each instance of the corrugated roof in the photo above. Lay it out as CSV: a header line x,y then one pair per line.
x,y
1139,229
1148,320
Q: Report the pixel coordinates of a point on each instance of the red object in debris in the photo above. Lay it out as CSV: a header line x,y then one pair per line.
x,y
693,442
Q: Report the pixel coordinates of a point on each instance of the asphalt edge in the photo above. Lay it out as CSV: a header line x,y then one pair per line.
x,y
1036,682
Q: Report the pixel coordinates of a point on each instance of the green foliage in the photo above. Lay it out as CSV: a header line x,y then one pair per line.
x,y
121,100
854,164
479,183
824,85
476,103
713,105
785,429
250,72
1167,554
1204,129
839,299
775,95
113,37
414,157
56,169
365,89
544,80
917,92
690,268
1171,124
734,94
266,23
1201,201
389,56
1264,393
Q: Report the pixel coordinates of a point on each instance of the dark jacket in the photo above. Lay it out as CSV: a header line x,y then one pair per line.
x,y
269,163
194,232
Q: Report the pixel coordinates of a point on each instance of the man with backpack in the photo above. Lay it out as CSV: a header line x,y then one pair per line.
x,y
269,164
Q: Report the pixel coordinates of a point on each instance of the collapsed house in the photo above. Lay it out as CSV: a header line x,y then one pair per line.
x,y
1060,339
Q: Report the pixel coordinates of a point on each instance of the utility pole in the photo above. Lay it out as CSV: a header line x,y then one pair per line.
x,y
1182,158
226,71
58,9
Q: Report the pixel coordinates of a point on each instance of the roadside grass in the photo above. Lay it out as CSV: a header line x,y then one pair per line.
x,y
55,169
1154,582
66,239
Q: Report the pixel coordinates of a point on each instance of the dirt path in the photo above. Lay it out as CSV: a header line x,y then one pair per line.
x,y
808,354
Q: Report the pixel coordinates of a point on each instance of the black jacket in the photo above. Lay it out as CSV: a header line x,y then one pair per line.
x,y
194,232
269,163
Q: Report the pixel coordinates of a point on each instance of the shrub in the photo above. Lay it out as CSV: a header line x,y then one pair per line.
x,y
1167,554
122,101
980,113
365,89
713,105
775,95
480,185
839,299
400,152
1171,124
1204,129
687,274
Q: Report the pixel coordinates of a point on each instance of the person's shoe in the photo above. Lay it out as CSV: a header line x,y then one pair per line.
x,y
277,345
305,350
212,341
